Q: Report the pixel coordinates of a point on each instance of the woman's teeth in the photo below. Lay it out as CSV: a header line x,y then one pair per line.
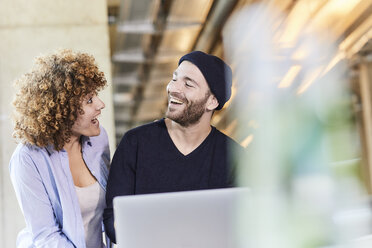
x,y
94,120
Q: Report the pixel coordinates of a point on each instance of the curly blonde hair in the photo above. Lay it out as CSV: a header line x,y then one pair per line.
x,y
49,98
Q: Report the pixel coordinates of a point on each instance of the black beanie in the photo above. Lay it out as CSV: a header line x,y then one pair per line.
x,y
216,72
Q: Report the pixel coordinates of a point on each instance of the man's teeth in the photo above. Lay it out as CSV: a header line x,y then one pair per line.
x,y
173,100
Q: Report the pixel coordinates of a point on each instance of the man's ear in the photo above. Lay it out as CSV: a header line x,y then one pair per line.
x,y
212,103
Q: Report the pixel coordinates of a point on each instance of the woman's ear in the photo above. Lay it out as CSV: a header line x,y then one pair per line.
x,y
212,103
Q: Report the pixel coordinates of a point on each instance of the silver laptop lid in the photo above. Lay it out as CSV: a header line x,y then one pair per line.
x,y
189,219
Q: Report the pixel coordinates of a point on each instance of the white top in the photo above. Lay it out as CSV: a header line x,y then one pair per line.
x,y
92,203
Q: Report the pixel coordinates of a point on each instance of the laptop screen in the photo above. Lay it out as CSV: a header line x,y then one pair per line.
x,y
189,219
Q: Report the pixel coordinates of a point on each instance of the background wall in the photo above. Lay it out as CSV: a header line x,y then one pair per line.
x,y
29,28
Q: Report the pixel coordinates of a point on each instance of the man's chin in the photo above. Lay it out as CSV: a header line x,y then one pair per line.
x,y
170,116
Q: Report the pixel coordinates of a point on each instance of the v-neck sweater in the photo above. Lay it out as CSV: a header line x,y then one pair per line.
x,y
147,161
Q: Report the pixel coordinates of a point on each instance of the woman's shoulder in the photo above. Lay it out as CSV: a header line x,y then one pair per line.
x,y
26,150
26,156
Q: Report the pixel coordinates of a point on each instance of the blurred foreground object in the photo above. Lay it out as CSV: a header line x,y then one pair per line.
x,y
293,102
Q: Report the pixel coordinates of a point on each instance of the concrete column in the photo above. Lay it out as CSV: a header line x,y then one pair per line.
x,y
29,28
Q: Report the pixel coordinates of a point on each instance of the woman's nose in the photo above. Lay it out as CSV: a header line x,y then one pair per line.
x,y
100,104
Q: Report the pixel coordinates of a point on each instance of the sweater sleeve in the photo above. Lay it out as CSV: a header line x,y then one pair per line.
x,y
35,204
121,179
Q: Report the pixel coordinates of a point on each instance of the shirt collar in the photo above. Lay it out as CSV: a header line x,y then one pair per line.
x,y
85,140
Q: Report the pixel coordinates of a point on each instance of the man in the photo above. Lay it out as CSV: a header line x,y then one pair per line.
x,y
183,151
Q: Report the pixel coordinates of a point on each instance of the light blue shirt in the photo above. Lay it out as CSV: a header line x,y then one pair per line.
x,y
45,191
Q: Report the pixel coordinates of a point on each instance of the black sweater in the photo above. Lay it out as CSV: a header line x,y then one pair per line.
x,y
147,161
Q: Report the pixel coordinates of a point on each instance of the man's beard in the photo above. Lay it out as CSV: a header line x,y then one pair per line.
x,y
191,114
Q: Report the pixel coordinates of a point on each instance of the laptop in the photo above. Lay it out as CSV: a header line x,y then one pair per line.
x,y
188,219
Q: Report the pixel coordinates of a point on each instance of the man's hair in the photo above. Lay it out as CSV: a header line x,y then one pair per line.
x,y
49,97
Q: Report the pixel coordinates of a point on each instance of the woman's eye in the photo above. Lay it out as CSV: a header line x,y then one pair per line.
x,y
188,84
90,100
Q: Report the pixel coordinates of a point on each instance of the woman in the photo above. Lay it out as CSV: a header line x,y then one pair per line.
x,y
59,170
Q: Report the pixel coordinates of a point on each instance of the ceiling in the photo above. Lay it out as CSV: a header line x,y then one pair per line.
x,y
149,36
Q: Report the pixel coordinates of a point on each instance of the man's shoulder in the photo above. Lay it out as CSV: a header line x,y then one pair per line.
x,y
148,127
226,139
145,131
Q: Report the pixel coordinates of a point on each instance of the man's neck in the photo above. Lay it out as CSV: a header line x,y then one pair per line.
x,y
188,138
